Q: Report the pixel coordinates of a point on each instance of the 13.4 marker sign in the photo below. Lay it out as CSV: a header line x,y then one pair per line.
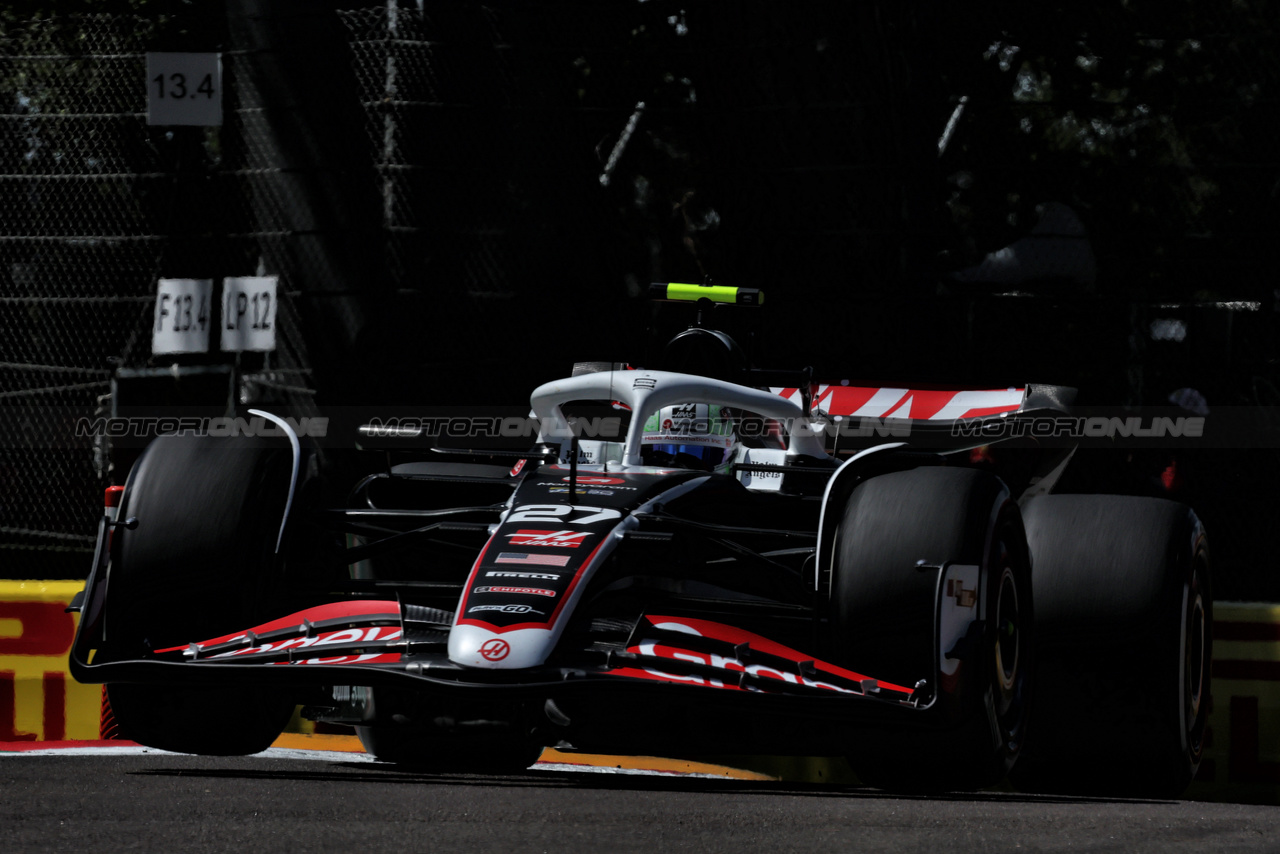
x,y
182,316
184,89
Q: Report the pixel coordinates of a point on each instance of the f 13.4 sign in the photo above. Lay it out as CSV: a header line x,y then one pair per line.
x,y
184,89
182,316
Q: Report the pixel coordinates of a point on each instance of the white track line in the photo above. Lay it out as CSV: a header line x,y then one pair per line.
x,y
269,753
339,756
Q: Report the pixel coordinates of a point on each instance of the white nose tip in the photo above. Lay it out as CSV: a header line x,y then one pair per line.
x,y
474,646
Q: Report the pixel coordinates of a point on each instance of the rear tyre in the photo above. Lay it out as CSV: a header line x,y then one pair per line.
x,y
1125,612
201,563
895,528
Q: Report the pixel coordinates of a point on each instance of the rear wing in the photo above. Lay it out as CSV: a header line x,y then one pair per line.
x,y
957,413
938,405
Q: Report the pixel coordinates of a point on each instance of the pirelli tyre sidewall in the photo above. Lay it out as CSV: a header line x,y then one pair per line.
x,y
897,531
201,562
1126,611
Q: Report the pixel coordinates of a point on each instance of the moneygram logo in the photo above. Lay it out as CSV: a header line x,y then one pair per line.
x,y
555,539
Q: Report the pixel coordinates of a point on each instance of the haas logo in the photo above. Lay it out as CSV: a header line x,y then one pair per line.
x,y
495,649
556,539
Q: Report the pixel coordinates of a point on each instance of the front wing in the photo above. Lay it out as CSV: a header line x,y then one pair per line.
x,y
682,661
370,640
382,642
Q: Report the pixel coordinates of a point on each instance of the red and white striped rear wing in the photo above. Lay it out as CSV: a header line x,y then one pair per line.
x,y
928,406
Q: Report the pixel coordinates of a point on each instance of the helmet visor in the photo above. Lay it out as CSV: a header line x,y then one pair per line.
x,y
705,457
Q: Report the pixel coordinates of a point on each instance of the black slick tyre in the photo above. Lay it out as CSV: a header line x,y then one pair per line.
x,y
1125,612
210,720
200,563
897,530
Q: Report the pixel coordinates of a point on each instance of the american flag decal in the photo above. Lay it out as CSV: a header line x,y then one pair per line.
x,y
534,560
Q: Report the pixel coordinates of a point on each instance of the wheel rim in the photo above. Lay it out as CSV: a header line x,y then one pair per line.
x,y
1008,637
1194,666
1009,651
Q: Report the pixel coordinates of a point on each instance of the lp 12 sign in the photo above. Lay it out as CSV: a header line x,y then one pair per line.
x,y
249,313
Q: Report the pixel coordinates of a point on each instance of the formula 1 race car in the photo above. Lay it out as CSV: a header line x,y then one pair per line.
x,y
717,575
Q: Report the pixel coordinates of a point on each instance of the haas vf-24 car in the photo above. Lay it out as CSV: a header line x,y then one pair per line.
x,y
719,577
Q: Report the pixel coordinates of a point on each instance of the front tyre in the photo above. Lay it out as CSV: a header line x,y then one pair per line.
x,y
201,563
897,531
212,720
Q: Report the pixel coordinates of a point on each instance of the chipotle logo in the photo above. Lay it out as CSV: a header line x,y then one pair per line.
x,y
531,591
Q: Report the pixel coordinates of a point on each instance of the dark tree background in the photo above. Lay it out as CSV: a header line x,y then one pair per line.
x,y
795,146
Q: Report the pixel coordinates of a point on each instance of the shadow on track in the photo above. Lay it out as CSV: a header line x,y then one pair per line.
x,y
600,781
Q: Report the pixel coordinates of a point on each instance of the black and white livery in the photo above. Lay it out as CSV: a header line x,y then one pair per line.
x,y
942,620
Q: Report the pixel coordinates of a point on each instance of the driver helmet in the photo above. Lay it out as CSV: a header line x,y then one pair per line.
x,y
690,435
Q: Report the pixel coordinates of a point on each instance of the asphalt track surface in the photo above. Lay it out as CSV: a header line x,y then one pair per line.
x,y
342,802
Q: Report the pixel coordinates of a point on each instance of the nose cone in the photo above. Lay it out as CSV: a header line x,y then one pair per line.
x,y
473,646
